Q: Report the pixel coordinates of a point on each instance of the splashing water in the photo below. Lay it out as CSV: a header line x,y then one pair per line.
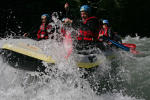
x,y
65,83
64,80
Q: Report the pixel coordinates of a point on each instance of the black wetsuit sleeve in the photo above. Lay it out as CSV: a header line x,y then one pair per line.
x,y
66,13
117,38
33,32
114,36
110,33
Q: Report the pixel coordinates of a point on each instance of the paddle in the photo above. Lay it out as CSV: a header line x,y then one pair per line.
x,y
116,44
132,48
68,44
68,39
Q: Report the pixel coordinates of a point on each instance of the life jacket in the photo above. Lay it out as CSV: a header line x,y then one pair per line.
x,y
43,31
104,31
85,33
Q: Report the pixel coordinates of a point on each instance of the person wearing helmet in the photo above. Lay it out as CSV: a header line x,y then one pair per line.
x,y
44,30
105,30
45,27
89,28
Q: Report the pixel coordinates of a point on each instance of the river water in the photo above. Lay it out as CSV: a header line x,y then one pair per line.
x,y
66,83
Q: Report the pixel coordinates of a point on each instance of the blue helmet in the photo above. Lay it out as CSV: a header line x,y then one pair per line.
x,y
85,8
47,16
105,21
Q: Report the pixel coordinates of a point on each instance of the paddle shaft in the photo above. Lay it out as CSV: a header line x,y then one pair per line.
x,y
117,44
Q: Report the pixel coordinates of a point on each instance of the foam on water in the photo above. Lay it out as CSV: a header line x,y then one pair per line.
x,y
66,82
63,81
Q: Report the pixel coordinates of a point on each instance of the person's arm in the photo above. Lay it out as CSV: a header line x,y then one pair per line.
x,y
117,37
67,9
32,33
110,33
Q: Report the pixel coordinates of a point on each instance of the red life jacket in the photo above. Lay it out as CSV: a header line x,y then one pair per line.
x,y
104,31
42,32
63,31
87,34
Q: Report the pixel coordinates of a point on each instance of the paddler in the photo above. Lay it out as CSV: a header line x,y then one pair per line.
x,y
45,28
88,29
106,31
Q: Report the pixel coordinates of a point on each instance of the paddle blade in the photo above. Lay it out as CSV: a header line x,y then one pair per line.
x,y
68,44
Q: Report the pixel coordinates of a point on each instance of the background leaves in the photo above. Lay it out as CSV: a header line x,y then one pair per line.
x,y
125,16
